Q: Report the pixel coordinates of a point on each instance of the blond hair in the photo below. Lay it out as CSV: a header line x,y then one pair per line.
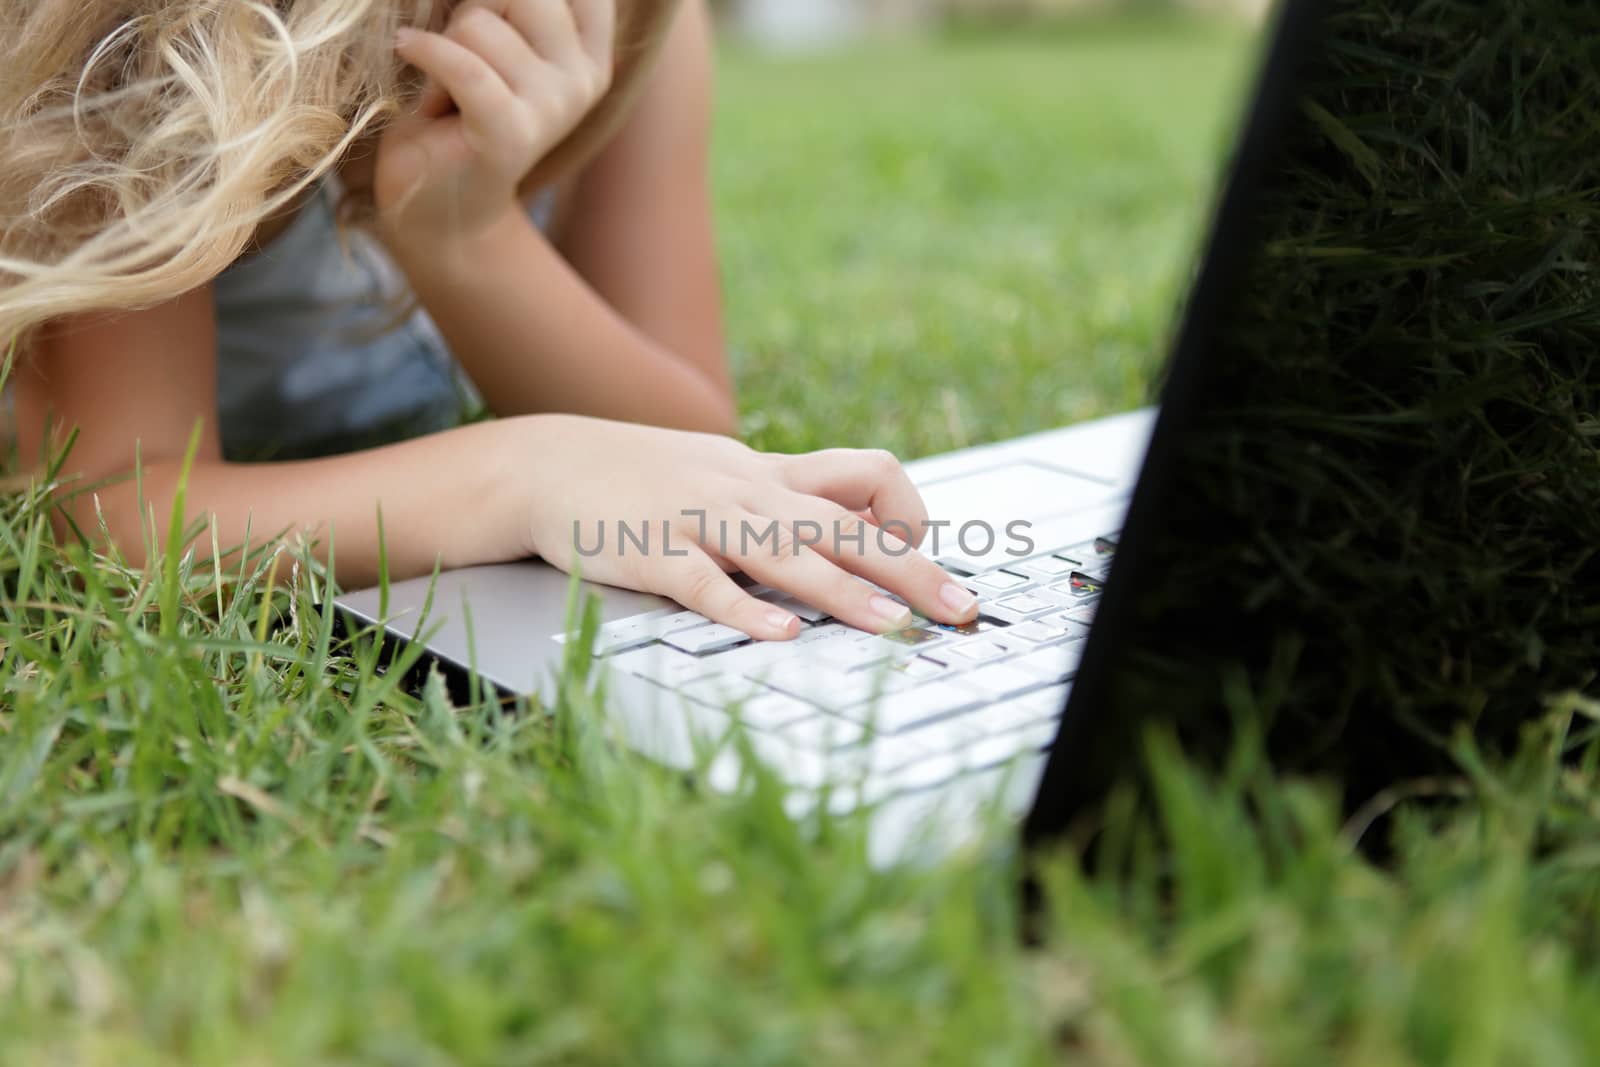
x,y
144,142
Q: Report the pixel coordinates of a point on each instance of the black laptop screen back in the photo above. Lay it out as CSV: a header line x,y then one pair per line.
x,y
1371,515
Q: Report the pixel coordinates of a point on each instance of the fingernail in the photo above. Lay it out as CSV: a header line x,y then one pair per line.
x,y
404,36
958,599
782,621
898,616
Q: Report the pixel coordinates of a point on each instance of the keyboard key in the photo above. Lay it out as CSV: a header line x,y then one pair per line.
x,y
1041,632
831,646
799,607
885,755
922,773
680,620
918,669
1064,620
1041,705
1002,748
847,651
1091,553
753,659
1082,583
827,631
967,629
773,711
869,773
722,690
1055,597
892,766
914,637
891,679
1001,680
997,582
796,765
855,774
824,733
1083,614
1051,665
1025,604
706,638
909,708
639,630
966,563
1019,608
827,688
949,734
663,665
628,633
1054,697
1046,567
967,653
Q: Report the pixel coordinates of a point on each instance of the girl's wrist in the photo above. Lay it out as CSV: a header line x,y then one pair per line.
x,y
431,252
525,448
484,490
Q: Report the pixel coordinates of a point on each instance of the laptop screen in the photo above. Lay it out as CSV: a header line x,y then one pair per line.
x,y
1369,513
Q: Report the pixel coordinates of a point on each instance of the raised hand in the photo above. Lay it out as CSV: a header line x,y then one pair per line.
x,y
507,81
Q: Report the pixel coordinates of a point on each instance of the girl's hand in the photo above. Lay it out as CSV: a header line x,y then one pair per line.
x,y
508,80
719,503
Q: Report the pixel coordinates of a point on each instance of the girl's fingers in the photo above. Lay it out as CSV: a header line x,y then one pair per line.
x,y
861,481
549,26
596,22
699,584
499,44
771,551
490,112
878,553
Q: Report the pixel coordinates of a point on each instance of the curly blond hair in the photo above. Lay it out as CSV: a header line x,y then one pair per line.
x,y
144,142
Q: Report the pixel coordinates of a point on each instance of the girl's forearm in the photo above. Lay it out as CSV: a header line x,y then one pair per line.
x,y
455,498
536,338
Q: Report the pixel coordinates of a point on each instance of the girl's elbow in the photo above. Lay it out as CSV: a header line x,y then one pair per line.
x,y
720,415
708,407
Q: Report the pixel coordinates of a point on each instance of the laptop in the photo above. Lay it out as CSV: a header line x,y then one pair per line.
x,y
933,729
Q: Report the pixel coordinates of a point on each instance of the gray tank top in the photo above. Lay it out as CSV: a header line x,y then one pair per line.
x,y
309,357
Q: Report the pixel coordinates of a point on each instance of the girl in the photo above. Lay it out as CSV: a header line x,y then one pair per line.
x,y
169,258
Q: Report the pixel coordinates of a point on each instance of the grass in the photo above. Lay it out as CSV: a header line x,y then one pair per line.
x,y
226,839
924,255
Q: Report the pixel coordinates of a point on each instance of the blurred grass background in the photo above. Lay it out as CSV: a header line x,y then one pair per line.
x,y
226,839
933,245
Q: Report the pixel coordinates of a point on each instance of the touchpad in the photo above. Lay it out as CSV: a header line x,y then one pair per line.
x,y
1014,491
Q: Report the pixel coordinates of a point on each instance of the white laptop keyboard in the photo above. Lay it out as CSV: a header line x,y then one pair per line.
x,y
886,714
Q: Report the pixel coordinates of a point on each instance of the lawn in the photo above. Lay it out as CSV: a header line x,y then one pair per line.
x,y
226,839
929,248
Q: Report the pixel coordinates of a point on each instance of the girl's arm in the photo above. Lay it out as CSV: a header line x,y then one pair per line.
x,y
534,336
637,224
136,384
624,320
